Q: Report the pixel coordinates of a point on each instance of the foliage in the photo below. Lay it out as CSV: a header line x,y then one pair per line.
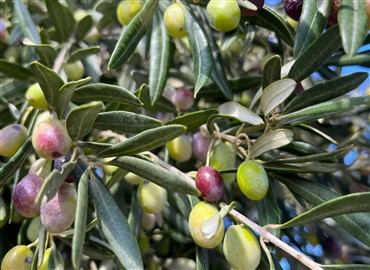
x,y
275,92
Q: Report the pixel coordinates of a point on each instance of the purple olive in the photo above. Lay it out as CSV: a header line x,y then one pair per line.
x,y
293,8
200,146
210,183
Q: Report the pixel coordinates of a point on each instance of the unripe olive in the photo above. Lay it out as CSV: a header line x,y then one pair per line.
x,y
180,148
127,10
33,229
12,54
183,99
19,257
134,178
203,211
79,14
223,15
12,138
200,145
74,70
210,183
293,8
25,194
148,221
50,139
4,213
45,260
252,180
241,248
36,98
224,157
152,198
248,12
174,21
93,35
58,214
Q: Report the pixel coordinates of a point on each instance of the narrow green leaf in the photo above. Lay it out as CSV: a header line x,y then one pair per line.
x,y
347,204
202,261
104,92
275,94
83,27
322,110
268,212
14,70
56,260
271,140
26,23
132,34
81,119
352,25
65,95
80,220
115,226
325,91
218,74
160,47
237,111
156,174
312,22
181,202
15,162
304,167
144,141
270,19
121,121
193,120
346,267
200,49
54,181
81,54
316,54
345,60
271,71
62,19
46,52
50,82
357,224
162,104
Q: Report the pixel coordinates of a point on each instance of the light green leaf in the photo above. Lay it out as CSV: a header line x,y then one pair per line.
x,y
54,181
346,204
14,70
312,22
62,19
132,34
80,220
193,120
357,224
81,119
83,27
50,82
121,121
275,94
104,92
325,91
46,52
156,174
237,111
316,54
65,95
81,54
271,140
352,24
144,141
322,110
271,71
26,23
160,46
115,226
200,49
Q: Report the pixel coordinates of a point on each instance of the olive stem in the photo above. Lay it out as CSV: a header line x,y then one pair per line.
x,y
62,55
264,234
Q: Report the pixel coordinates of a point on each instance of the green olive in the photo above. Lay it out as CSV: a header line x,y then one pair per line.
x,y
127,10
4,213
252,180
36,98
19,257
152,198
241,248
12,138
174,21
224,157
180,149
74,70
45,260
134,179
224,15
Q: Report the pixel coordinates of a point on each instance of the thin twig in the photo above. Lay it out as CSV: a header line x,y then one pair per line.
x,y
274,240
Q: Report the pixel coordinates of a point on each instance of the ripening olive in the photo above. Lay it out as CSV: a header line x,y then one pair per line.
x,y
152,198
180,148
36,98
174,21
210,183
223,15
12,138
203,211
200,145
252,180
241,248
19,257
183,99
